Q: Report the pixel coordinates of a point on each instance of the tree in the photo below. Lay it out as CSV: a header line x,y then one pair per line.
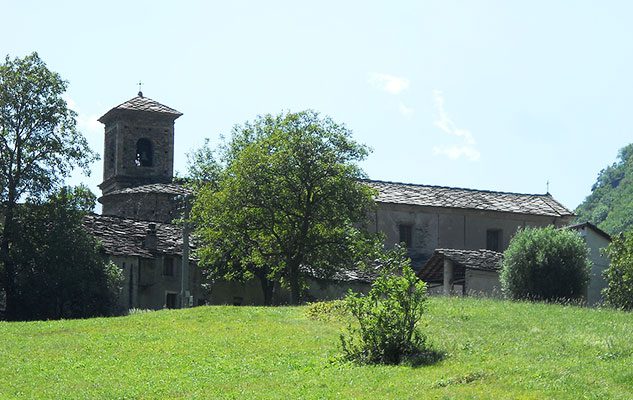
x,y
289,201
609,205
39,146
60,270
545,264
619,275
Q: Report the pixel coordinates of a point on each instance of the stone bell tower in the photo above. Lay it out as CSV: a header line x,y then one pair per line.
x,y
139,144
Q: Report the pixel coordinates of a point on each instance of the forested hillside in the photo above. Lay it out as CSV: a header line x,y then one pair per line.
x,y
610,204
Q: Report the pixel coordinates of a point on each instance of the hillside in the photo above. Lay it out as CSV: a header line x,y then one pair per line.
x,y
496,349
610,204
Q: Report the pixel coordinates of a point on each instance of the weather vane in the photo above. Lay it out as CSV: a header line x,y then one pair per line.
x,y
140,93
547,186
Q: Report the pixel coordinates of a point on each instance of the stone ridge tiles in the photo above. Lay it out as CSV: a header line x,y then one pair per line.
x,y
140,103
126,237
444,196
168,188
486,260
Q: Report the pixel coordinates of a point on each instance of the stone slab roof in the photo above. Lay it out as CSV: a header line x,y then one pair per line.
x,y
141,103
168,188
483,260
126,237
345,275
485,200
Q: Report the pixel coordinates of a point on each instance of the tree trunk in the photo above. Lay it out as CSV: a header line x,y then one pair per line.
x,y
295,288
268,286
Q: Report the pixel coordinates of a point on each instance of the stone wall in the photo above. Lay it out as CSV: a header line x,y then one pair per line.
x,y
121,137
159,207
145,286
434,227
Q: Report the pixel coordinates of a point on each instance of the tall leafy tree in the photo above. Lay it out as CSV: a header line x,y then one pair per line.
x,y
39,146
288,202
610,203
60,270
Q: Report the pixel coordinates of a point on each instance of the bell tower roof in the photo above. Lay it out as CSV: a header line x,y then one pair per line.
x,y
142,104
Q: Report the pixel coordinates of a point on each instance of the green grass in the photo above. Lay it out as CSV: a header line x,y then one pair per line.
x,y
495,350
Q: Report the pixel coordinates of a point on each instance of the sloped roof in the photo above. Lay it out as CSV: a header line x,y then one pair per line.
x,y
443,196
168,188
141,103
483,260
592,227
126,237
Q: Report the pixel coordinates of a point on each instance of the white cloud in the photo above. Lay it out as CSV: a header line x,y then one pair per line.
x,y
86,124
467,149
455,152
404,110
389,83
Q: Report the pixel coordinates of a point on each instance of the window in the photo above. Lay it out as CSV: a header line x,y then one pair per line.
x,y
493,239
144,153
170,300
406,234
168,266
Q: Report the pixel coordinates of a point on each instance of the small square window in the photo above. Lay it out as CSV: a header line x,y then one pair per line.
x,y
406,234
168,266
494,239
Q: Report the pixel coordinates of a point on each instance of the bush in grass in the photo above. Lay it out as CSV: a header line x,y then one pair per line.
x,y
619,275
326,310
388,316
545,264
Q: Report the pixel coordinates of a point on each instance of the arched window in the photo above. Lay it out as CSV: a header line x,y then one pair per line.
x,y
144,153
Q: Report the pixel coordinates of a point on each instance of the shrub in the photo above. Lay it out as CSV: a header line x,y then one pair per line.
x,y
545,264
619,275
326,310
388,317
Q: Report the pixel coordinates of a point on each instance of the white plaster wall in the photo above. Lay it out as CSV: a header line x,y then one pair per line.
x,y
482,283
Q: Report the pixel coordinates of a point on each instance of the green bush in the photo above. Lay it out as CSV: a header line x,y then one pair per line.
x,y
545,264
388,316
326,310
619,275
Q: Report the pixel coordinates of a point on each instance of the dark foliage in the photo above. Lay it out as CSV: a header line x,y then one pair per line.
x,y
60,271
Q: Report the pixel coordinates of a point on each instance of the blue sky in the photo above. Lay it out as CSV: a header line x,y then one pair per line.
x,y
498,95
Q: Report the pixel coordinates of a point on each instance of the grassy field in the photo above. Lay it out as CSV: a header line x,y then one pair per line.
x,y
495,349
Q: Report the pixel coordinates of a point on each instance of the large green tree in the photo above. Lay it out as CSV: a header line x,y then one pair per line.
x,y
288,201
610,204
39,146
60,269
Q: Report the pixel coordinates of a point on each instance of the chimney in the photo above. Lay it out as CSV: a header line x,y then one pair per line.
x,y
151,241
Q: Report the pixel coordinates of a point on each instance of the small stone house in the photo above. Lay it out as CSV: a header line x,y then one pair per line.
x,y
464,272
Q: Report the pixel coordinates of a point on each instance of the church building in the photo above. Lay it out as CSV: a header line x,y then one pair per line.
x,y
141,201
